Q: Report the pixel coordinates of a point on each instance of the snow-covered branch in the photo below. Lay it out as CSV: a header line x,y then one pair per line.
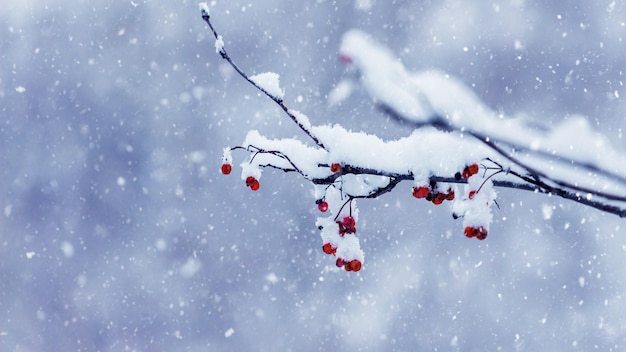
x,y
569,160
457,151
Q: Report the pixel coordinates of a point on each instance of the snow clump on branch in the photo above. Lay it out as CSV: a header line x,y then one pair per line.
x,y
269,81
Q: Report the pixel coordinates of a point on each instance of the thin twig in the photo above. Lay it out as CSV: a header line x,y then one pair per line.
x,y
277,100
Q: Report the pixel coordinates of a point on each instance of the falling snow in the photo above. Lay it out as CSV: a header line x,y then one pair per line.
x,y
118,231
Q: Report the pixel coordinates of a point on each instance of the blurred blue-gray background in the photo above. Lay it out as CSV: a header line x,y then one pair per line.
x,y
117,232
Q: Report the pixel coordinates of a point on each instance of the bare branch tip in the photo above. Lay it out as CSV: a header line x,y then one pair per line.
x,y
204,10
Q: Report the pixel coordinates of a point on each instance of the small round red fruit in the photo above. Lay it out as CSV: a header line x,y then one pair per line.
x,y
470,170
328,248
438,198
349,224
420,192
323,206
481,233
473,169
339,262
471,194
355,265
478,232
226,169
335,168
253,183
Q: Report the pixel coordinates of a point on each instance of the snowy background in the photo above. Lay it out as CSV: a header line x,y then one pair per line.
x,y
118,233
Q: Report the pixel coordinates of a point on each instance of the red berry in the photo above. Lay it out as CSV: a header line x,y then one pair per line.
x,y
339,262
348,224
323,207
420,192
226,169
335,168
253,183
470,170
328,248
438,198
355,265
450,194
473,169
470,232
481,233
472,194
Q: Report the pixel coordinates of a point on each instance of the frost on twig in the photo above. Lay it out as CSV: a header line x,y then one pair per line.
x,y
444,165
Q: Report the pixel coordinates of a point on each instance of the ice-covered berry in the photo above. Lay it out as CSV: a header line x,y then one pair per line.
x,y
322,206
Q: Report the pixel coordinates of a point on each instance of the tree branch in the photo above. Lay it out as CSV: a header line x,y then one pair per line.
x,y
490,142
296,119
534,181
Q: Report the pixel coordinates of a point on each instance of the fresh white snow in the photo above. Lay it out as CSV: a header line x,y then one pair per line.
x,y
269,81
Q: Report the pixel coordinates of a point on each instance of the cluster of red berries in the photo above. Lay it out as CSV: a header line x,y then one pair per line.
x,y
432,195
353,265
251,181
468,171
478,232
346,226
